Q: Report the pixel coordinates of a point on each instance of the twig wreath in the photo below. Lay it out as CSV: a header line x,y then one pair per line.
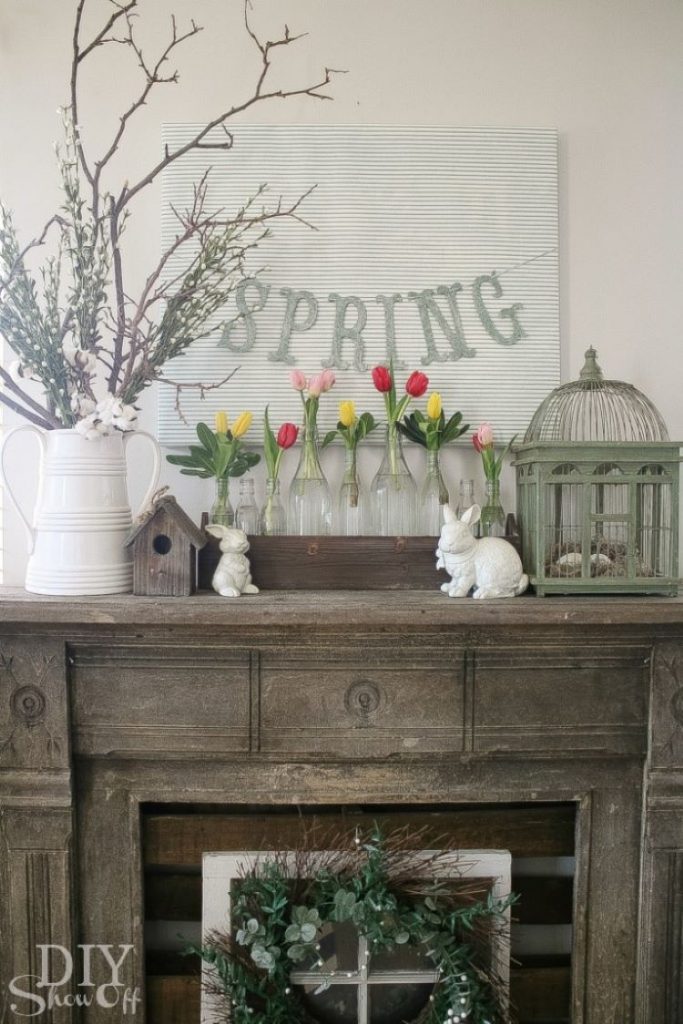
x,y
285,905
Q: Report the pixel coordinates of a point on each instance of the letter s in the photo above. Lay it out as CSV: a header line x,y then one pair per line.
x,y
16,991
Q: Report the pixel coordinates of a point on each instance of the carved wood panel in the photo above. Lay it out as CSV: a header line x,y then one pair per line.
x,y
362,703
573,697
661,940
164,698
33,712
38,904
667,707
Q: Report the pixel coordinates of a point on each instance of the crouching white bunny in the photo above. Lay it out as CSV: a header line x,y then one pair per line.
x,y
490,565
233,573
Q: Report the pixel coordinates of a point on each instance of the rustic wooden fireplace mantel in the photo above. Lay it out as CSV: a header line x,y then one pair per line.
x,y
336,698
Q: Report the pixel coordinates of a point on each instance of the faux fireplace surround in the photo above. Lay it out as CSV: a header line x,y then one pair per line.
x,y
395,699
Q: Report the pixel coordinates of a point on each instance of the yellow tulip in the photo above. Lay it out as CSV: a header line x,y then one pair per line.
x,y
221,422
347,413
434,405
241,424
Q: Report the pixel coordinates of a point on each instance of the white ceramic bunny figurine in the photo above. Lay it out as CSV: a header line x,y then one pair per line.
x,y
232,576
490,565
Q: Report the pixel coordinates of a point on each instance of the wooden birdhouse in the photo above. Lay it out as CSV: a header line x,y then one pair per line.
x,y
164,545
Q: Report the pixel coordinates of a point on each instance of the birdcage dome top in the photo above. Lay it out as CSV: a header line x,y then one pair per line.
x,y
594,409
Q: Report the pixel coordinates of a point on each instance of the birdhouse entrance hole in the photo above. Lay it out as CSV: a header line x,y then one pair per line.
x,y
162,544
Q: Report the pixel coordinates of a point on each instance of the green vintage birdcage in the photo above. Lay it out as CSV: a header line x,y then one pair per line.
x,y
597,491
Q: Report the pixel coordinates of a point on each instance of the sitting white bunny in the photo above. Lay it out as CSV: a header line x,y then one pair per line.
x,y
491,564
233,573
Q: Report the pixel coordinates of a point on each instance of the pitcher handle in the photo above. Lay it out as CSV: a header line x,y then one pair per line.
x,y
40,434
156,467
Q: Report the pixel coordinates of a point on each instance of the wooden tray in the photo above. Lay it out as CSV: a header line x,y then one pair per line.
x,y
335,563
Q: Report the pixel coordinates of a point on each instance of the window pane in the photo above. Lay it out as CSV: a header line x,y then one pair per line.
x,y
401,958
338,950
397,1004
336,1005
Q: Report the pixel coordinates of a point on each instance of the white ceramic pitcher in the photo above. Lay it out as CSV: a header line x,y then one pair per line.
x,y
82,514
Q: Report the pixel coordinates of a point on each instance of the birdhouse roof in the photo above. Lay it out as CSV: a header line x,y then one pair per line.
x,y
168,504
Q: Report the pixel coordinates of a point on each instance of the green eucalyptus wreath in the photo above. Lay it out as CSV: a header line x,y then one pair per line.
x,y
393,898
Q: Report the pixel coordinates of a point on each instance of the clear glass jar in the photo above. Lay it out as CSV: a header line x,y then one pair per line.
x,y
273,516
310,507
465,497
492,522
393,494
221,510
247,516
433,496
352,506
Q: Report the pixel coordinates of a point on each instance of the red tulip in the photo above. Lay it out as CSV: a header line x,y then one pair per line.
x,y
287,435
476,442
417,384
381,378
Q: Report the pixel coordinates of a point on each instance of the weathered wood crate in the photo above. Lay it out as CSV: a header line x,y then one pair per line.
x,y
335,563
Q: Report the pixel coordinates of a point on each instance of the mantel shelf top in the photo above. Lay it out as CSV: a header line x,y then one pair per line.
x,y
406,609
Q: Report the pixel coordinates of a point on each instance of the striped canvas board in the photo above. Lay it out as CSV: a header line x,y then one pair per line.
x,y
437,246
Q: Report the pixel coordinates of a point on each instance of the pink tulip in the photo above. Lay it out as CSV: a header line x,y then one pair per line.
x,y
327,379
315,386
298,380
484,437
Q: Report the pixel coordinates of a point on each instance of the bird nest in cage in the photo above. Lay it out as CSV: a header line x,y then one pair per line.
x,y
607,558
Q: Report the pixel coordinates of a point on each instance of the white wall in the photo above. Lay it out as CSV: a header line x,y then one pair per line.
x,y
607,73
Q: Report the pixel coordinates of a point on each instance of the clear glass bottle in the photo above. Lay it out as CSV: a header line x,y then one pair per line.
x,y
433,496
465,497
273,516
310,507
393,494
352,506
221,510
247,514
492,522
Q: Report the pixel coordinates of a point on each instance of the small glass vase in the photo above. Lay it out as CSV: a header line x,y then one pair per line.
x,y
465,497
492,522
352,507
393,492
310,507
273,516
246,514
433,496
221,510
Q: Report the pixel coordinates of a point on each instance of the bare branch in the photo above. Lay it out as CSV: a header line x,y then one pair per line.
x,y
152,75
181,386
259,96
37,408
43,419
75,61
122,10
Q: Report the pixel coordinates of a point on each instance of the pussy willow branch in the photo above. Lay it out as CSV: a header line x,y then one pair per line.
x,y
33,244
